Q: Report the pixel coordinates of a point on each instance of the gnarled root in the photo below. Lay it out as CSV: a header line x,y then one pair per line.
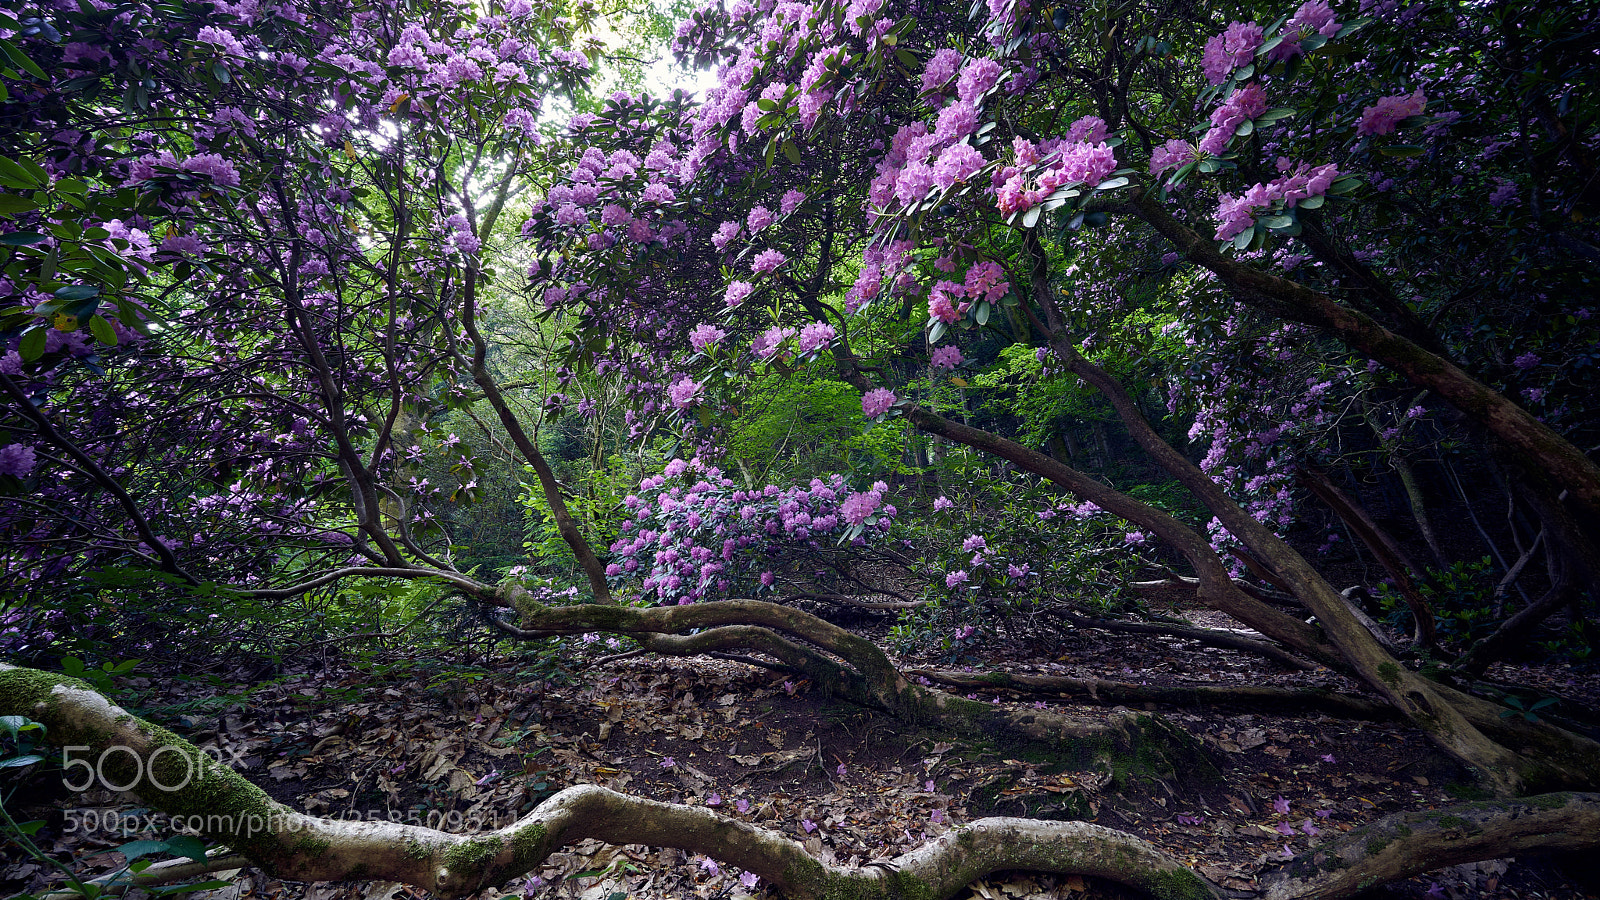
x,y
174,776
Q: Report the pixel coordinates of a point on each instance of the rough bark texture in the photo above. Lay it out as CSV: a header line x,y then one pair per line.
x,y
1406,844
227,808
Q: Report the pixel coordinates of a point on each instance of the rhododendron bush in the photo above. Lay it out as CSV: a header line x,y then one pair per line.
x,y
272,272
1274,190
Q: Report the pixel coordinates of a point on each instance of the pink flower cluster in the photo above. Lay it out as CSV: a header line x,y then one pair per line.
x,y
1231,49
705,336
1040,169
945,359
985,281
1235,214
737,293
876,402
771,341
816,336
1174,154
685,392
1313,17
1384,116
687,542
767,261
1245,103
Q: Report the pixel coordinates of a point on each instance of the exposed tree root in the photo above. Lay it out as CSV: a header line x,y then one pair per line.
x,y
226,807
1408,843
1210,637
848,666
1100,691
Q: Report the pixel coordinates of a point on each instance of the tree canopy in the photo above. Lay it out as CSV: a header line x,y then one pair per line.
x,y
302,303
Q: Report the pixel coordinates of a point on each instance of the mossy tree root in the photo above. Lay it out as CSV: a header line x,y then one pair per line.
x,y
840,661
1410,843
226,807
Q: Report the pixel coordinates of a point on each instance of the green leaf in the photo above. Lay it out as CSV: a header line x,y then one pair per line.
x,y
1243,239
19,761
1273,115
135,849
1245,128
21,238
13,725
766,105
1244,72
15,174
1311,202
187,845
1344,184
792,152
1402,151
32,346
73,292
1278,221
22,61
935,331
981,313
1031,217
102,331
11,204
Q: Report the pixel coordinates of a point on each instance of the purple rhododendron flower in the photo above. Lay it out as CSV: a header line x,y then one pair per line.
x,y
767,261
1229,50
705,336
945,359
685,392
1384,116
877,402
736,293
17,460
815,336
977,77
941,67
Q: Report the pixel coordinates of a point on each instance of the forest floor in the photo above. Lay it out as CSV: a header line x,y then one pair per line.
x,y
473,748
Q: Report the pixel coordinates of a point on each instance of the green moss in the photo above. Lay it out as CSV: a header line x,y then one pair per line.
x,y
310,846
1178,884
23,690
1451,822
1464,791
529,845
1548,801
1390,673
471,856
905,886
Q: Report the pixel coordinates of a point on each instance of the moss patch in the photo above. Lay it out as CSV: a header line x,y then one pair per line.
x,y
1179,884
